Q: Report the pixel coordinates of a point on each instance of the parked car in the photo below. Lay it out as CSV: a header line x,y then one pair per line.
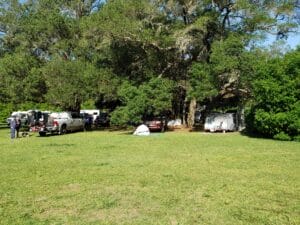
x,y
61,123
198,118
103,120
156,123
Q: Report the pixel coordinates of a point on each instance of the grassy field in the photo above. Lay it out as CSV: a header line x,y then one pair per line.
x,y
172,178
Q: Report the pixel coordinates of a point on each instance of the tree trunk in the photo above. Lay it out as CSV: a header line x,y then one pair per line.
x,y
183,116
192,110
241,118
75,107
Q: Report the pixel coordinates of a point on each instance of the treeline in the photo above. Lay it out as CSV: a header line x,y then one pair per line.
x,y
137,58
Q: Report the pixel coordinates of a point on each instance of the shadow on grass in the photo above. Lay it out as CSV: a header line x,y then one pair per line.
x,y
257,136
250,134
57,134
47,135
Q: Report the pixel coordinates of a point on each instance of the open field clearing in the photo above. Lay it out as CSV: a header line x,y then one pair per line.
x,y
171,178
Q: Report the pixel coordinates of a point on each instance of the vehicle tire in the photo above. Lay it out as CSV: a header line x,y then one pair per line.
x,y
63,129
42,134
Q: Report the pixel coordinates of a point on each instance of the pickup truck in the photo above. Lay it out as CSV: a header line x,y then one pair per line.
x,y
61,123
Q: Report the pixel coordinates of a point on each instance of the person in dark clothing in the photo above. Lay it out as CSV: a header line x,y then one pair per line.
x,y
18,126
12,124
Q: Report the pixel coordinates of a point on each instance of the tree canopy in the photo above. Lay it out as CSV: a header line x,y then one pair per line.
x,y
170,53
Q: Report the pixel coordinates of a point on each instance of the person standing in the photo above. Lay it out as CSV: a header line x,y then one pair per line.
x,y
13,123
18,126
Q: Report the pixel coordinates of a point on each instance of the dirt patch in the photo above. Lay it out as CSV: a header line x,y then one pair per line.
x,y
180,129
57,213
112,215
71,188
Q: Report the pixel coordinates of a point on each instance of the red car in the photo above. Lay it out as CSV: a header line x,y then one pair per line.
x,y
156,124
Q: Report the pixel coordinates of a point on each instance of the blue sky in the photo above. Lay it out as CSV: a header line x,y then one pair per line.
x,y
293,40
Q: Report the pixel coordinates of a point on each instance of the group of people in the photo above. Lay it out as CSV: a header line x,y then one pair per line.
x,y
15,125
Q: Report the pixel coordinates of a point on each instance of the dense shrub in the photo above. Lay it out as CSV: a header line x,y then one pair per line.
x,y
297,138
152,98
282,137
275,112
5,111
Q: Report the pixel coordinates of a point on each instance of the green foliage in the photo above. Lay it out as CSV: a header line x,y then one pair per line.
x,y
232,65
202,82
5,111
68,52
282,137
270,124
88,104
158,92
297,138
104,89
67,83
227,55
38,106
35,86
276,107
14,70
151,98
135,102
227,74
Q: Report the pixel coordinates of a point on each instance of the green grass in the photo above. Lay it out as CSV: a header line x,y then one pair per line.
x,y
171,178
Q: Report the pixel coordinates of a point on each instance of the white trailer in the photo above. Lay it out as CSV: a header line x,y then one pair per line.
x,y
220,122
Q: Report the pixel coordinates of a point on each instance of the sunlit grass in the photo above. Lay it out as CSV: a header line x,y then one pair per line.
x,y
170,178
